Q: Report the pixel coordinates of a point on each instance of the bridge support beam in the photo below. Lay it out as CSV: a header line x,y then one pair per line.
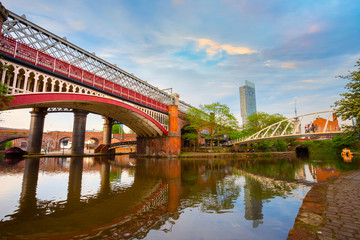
x,y
75,178
27,204
36,130
105,186
174,180
108,124
78,134
167,146
3,15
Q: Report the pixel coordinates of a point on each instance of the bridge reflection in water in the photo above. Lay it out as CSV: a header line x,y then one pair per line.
x,y
124,198
130,210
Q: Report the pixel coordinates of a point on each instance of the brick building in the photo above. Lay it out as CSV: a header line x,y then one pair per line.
x,y
332,126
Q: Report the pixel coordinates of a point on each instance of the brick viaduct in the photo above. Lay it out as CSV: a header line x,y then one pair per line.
x,y
53,139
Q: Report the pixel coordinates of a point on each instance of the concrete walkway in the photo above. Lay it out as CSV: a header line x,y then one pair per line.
x,y
330,210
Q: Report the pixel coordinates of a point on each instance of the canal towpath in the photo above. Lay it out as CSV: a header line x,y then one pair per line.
x,y
330,210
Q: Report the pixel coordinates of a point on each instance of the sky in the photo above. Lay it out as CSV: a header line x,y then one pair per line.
x,y
205,50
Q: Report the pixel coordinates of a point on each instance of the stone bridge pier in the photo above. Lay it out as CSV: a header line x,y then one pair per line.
x,y
37,128
164,146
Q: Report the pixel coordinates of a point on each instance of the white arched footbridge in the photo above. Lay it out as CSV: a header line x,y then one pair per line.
x,y
307,125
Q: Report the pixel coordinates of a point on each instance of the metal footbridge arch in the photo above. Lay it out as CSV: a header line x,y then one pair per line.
x,y
291,128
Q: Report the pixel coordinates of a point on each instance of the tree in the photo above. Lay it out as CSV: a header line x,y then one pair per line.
x,y
117,128
215,117
346,140
191,135
263,145
5,99
222,120
348,107
260,120
196,119
6,145
281,145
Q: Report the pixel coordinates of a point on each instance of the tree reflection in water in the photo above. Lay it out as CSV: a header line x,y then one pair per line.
x,y
135,196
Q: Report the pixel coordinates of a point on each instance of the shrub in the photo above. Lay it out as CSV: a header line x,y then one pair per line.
x,y
346,140
6,145
281,145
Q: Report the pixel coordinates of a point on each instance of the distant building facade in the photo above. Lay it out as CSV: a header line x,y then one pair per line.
x,y
331,126
247,100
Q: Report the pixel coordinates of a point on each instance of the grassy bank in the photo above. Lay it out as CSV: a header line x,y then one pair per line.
x,y
280,146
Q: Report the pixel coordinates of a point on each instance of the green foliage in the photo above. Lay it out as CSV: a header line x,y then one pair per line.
x,y
239,134
281,145
269,145
319,145
235,134
274,168
6,145
345,141
263,145
191,135
4,98
291,141
348,107
117,128
196,118
215,117
260,120
224,122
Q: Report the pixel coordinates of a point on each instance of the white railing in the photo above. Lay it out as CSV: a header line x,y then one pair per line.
x,y
297,126
23,80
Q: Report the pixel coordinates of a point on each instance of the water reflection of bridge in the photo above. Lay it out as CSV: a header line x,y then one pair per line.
x,y
160,191
151,198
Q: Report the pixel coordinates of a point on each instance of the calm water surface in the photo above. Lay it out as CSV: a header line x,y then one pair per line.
x,y
125,198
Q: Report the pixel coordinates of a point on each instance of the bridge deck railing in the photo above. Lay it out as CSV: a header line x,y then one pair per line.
x,y
288,128
37,38
22,51
123,143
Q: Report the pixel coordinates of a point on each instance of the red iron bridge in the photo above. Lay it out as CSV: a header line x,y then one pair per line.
x,y
43,71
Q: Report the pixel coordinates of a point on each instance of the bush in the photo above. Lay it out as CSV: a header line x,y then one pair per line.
x,y
318,145
263,145
7,145
346,140
281,145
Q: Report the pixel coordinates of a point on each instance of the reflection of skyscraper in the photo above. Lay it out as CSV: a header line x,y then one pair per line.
x,y
253,202
247,100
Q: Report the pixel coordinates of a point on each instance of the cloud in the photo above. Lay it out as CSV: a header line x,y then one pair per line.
x,y
212,48
105,55
277,64
315,28
288,65
286,55
308,80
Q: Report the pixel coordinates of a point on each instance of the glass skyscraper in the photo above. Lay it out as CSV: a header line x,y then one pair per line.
x,y
247,100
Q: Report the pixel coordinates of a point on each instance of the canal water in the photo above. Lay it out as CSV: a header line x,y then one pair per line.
x,y
126,198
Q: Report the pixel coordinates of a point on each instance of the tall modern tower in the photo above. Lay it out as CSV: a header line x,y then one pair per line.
x,y
247,100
